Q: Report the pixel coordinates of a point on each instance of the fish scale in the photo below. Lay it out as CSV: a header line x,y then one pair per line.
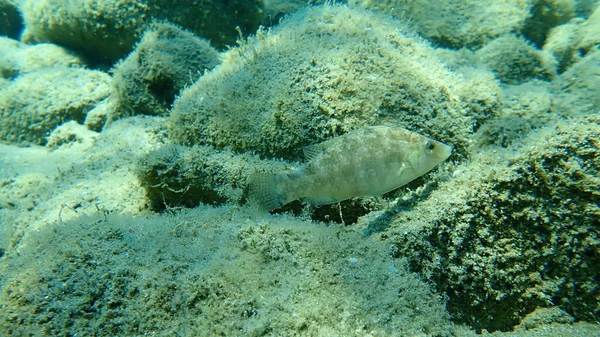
x,y
364,162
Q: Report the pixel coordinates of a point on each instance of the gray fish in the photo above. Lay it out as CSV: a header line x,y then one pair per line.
x,y
365,162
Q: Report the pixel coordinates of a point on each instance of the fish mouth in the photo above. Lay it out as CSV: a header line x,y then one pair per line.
x,y
444,151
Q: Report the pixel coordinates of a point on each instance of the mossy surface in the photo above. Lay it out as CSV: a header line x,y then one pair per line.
x,y
105,31
572,41
503,240
166,59
577,90
19,59
458,23
79,172
35,104
516,61
320,73
546,14
209,272
11,22
175,175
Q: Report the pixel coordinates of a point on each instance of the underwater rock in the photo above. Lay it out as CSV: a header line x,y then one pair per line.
x,y
514,60
18,58
576,90
211,272
166,60
472,23
481,94
560,44
11,22
37,102
570,42
525,107
544,15
515,230
589,33
102,31
322,72
7,63
457,23
70,133
105,31
4,83
175,175
275,10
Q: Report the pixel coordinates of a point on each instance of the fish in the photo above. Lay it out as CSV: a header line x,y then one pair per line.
x,y
365,162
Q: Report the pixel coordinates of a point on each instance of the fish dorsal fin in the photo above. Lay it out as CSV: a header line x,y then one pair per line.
x,y
311,151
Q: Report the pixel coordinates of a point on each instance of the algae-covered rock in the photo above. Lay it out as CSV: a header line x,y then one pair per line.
x,y
11,22
525,107
479,90
503,240
78,172
7,63
275,10
175,175
472,23
4,83
515,61
481,93
37,102
70,133
584,8
457,23
537,103
572,41
105,31
544,316
18,58
211,272
589,33
166,59
561,43
577,90
546,14
322,72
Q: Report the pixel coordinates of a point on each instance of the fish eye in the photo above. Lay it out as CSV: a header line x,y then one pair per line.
x,y
429,145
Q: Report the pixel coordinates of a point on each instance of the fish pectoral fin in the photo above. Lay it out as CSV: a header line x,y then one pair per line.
x,y
401,169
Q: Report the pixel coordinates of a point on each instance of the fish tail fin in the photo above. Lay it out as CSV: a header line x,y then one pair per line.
x,y
265,191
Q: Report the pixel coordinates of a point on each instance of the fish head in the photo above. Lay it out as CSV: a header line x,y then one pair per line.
x,y
432,153
436,151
